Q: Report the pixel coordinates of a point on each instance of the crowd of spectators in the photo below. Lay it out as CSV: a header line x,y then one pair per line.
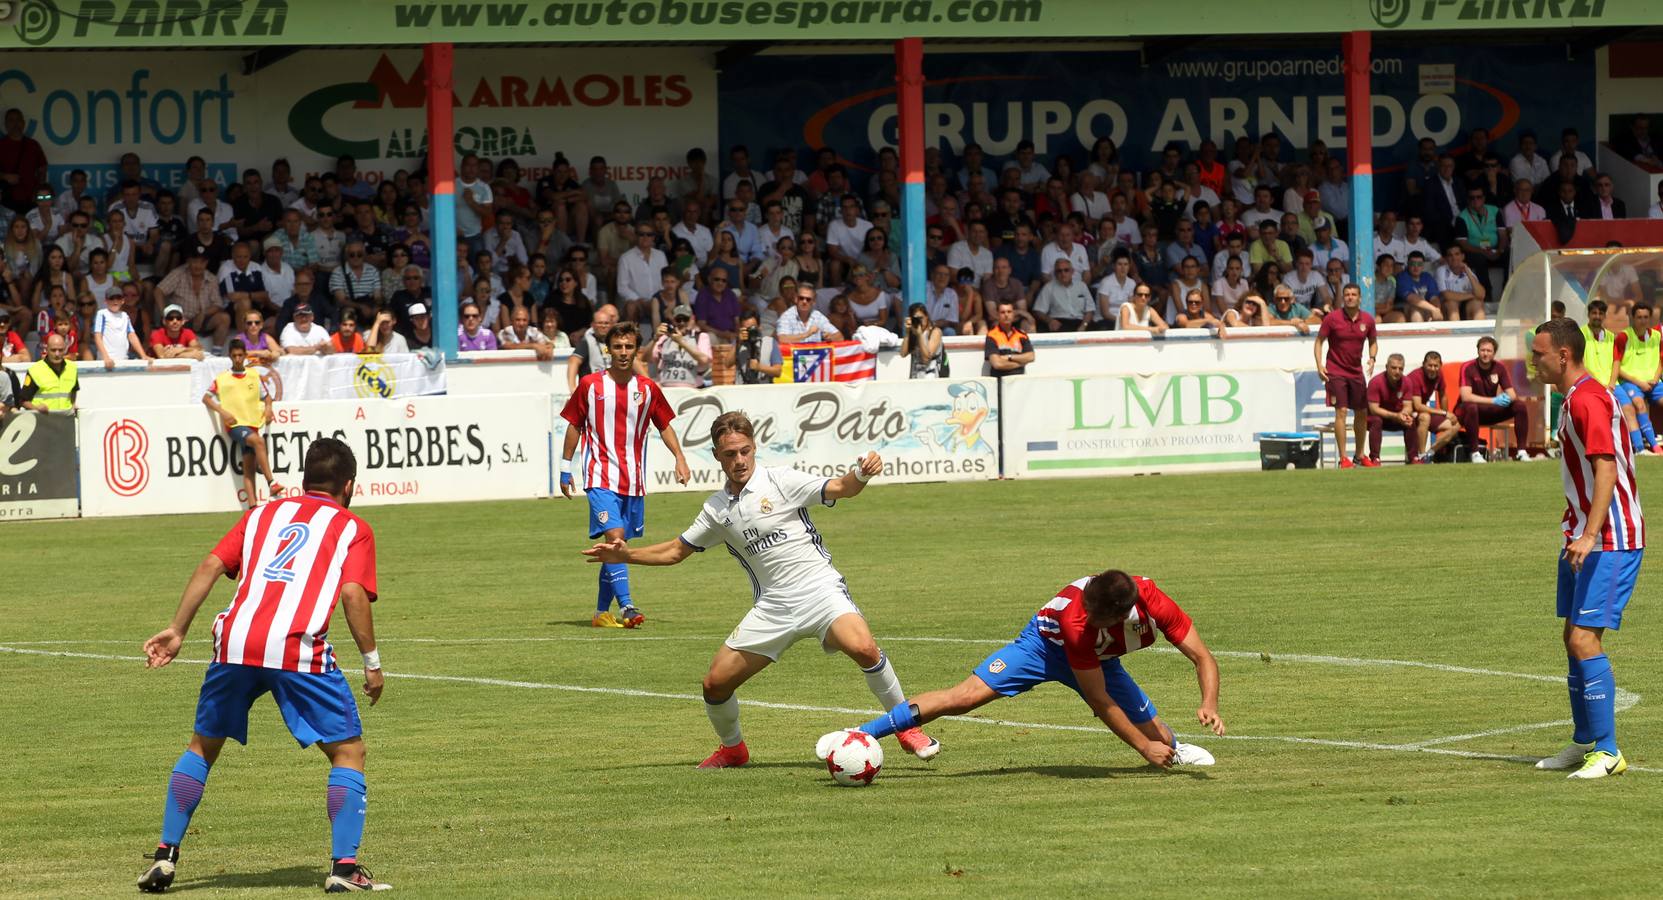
x,y
714,262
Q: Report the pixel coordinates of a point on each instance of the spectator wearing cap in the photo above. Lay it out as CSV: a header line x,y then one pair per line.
x,y
303,336
681,351
356,283
173,340
1327,246
276,275
347,338
1063,304
12,348
473,333
197,293
1308,213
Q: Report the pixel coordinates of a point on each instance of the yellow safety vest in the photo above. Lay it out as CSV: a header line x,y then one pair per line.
x,y
1600,354
1641,356
55,389
239,395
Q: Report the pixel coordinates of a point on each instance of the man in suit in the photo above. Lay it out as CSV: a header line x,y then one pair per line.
x,y
1566,209
1441,195
1607,205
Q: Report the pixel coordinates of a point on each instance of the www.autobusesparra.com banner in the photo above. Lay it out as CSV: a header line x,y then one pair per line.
x,y
37,466
177,459
945,430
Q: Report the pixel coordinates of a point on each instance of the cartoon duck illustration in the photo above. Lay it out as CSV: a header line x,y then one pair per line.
x,y
969,412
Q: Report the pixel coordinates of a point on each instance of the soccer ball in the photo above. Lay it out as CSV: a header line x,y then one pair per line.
x,y
852,757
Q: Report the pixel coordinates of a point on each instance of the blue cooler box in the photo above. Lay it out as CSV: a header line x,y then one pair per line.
x,y
1289,449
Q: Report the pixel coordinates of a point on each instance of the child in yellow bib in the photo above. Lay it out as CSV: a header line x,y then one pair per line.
x,y
240,400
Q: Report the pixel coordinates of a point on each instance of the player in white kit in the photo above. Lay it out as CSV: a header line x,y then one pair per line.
x,y
761,515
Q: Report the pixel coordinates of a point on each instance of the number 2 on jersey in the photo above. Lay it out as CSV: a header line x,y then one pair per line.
x,y
291,540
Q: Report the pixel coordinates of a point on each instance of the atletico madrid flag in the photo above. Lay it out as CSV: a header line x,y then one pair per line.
x,y
832,361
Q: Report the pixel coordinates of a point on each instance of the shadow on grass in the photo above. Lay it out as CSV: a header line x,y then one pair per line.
x,y
289,877
809,765
1085,772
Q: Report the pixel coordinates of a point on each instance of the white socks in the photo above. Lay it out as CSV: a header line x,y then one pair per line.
x,y
724,717
885,686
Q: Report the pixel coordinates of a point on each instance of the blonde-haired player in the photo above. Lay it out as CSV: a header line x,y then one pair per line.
x,y
761,515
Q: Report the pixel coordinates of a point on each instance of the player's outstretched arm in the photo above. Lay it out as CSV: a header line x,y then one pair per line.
x,y
164,646
1206,672
854,481
619,551
1096,695
356,604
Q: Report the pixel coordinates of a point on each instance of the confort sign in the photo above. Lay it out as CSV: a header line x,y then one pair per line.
x,y
317,105
59,24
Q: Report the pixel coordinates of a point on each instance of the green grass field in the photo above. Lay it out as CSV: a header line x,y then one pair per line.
x,y
511,755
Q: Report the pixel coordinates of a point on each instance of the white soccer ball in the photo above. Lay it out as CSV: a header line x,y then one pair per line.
x,y
852,757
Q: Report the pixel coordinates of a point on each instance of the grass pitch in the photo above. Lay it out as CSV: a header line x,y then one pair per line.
x,y
493,770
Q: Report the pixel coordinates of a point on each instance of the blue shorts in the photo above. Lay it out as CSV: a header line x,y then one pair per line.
x,y
239,437
318,708
1630,392
1595,597
1030,660
610,510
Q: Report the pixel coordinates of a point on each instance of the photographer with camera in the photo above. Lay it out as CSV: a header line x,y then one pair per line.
x,y
757,357
922,345
681,351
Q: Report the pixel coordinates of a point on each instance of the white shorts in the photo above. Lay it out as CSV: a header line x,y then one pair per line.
x,y
769,630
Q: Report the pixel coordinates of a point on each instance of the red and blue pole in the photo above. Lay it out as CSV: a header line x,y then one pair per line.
x,y
437,62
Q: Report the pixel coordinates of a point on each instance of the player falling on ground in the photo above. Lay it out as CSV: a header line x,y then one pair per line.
x,y
612,409
293,559
1077,639
761,515
240,399
1605,539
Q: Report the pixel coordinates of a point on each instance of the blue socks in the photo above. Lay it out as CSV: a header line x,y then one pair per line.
x,y
902,717
347,807
616,577
1635,442
1599,701
603,594
1643,419
1573,681
184,792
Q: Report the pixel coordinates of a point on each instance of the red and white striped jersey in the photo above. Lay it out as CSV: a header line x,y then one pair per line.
x,y
1063,623
614,418
1591,425
290,558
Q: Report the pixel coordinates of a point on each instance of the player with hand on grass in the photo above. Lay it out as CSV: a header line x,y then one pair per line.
x,y
612,409
761,515
293,559
1605,539
1077,639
